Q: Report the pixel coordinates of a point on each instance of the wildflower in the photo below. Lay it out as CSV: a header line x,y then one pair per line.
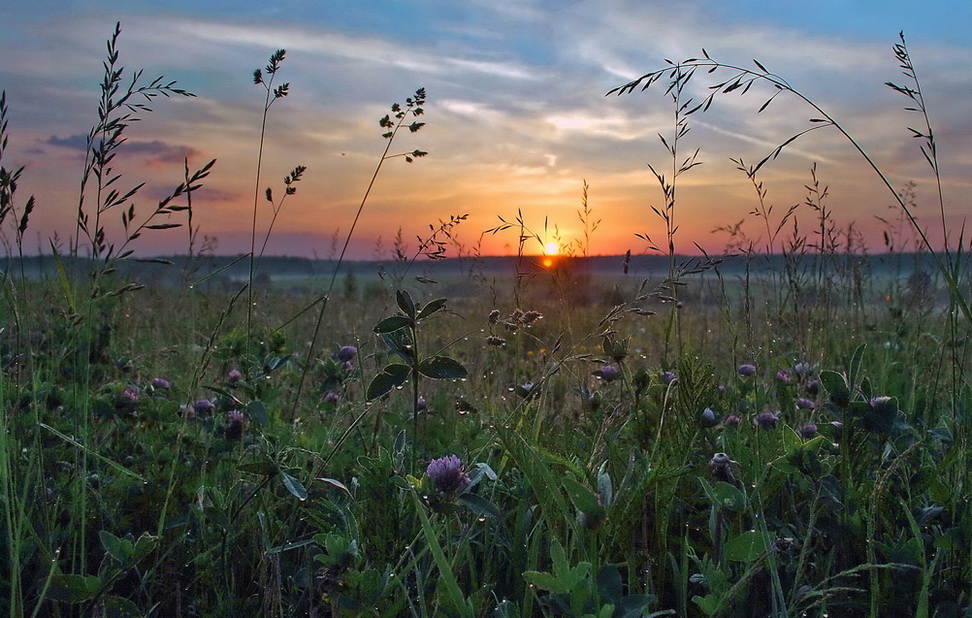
x,y
204,407
234,377
347,353
882,415
723,468
668,377
813,387
746,370
421,404
709,418
448,474
768,420
805,404
347,367
608,373
525,390
732,420
803,370
783,376
882,405
160,383
332,397
234,425
126,400
808,431
188,411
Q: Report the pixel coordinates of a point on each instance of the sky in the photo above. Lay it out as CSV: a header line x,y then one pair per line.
x,y
516,116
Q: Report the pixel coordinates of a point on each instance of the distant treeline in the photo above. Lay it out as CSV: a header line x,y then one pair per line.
x,y
174,270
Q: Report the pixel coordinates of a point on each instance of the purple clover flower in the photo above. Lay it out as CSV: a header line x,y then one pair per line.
x,y
808,431
608,373
709,418
668,377
732,420
332,397
746,370
234,425
448,474
768,420
783,376
204,407
160,383
234,377
813,387
347,353
421,404
805,404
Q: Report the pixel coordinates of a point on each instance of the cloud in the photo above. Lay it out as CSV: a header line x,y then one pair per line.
x,y
155,151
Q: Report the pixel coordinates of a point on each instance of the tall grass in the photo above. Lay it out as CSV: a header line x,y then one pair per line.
x,y
786,442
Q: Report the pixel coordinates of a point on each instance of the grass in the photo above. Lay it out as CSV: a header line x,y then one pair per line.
x,y
777,435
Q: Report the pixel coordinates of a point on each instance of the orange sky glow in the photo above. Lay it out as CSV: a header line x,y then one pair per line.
x,y
517,121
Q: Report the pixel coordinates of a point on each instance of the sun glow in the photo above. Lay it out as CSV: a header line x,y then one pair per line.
x,y
551,248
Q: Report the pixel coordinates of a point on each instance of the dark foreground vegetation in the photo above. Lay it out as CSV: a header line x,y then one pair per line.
x,y
785,439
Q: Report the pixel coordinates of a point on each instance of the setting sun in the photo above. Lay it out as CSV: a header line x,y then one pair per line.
x,y
551,248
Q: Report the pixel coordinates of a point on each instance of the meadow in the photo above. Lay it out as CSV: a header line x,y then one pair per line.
x,y
774,434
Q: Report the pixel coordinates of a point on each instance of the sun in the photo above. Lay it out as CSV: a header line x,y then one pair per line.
x,y
551,248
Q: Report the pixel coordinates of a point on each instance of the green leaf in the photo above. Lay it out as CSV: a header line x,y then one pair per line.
x,y
708,604
293,486
392,376
117,607
144,545
746,547
609,584
724,496
583,498
257,412
431,308
392,323
72,588
480,505
405,303
442,368
836,385
119,549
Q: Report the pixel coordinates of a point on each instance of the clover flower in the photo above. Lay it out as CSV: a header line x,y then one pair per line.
x,y
732,420
783,376
234,425
332,397
203,407
805,404
709,418
608,373
347,353
768,420
746,370
234,377
421,404
448,474
160,383
668,377
808,431
803,370
723,468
